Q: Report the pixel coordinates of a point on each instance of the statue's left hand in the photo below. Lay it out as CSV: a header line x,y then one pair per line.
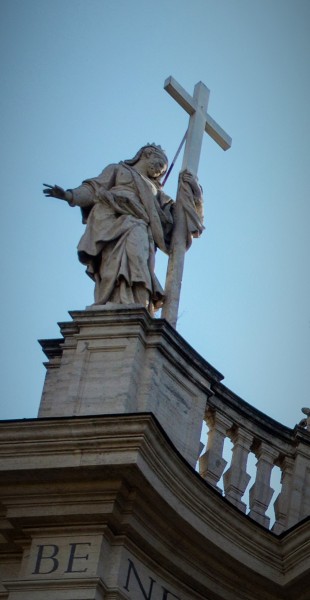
x,y
189,178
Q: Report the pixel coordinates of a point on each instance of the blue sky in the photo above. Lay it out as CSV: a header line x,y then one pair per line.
x,y
82,86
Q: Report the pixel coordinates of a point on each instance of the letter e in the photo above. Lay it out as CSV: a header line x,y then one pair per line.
x,y
72,558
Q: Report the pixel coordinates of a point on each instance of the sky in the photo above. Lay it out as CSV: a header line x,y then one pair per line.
x,y
82,87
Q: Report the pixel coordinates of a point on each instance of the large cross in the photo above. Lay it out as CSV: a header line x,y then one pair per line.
x,y
199,122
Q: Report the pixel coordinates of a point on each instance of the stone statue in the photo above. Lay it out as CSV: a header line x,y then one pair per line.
x,y
127,217
305,423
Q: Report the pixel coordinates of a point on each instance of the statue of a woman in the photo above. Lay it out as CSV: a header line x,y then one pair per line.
x,y
127,218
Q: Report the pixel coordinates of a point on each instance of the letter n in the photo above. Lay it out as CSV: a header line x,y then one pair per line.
x,y
133,569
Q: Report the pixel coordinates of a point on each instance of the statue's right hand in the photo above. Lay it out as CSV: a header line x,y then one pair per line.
x,y
54,191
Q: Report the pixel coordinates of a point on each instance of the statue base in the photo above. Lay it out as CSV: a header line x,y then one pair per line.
x,y
122,361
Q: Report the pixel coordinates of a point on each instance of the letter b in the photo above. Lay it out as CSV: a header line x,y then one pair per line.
x,y
41,557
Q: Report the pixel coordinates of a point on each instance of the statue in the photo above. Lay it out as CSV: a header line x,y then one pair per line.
x,y
127,217
305,423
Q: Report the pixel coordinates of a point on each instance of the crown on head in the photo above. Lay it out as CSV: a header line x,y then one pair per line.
x,y
157,148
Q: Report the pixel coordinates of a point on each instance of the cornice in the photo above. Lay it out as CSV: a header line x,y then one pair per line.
x,y
134,450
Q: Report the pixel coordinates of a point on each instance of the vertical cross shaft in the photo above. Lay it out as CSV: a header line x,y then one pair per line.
x,y
196,129
199,122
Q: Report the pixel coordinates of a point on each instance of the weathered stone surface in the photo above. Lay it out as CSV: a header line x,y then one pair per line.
x,y
122,361
109,510
128,216
273,444
199,122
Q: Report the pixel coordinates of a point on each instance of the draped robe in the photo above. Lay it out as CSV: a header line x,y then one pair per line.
x,y
127,218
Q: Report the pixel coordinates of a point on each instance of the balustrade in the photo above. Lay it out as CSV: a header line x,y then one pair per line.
x,y
273,444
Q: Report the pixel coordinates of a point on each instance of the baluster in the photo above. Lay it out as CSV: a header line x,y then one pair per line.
x,y
261,492
212,463
299,499
236,477
282,502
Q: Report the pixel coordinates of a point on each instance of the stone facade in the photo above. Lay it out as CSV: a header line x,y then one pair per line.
x,y
123,361
99,497
104,507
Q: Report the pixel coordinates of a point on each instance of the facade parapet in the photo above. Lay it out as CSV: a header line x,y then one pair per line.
x,y
273,444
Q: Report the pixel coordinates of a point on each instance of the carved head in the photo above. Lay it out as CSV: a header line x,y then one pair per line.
x,y
156,158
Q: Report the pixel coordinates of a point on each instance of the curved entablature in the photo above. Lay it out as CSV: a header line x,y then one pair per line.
x,y
108,501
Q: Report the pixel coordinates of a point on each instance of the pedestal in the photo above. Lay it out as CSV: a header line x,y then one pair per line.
x,y
123,361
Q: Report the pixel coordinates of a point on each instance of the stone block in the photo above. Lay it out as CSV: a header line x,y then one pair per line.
x,y
123,361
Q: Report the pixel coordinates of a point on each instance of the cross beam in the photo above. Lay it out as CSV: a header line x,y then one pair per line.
x,y
199,123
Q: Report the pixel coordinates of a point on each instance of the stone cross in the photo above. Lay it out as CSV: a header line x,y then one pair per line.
x,y
199,122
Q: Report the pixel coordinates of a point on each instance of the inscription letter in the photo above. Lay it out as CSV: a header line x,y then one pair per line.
x,y
72,558
40,557
133,569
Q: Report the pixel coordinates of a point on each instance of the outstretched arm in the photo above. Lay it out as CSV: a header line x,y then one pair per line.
x,y
82,196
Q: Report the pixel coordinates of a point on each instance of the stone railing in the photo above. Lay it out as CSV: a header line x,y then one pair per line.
x,y
250,431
